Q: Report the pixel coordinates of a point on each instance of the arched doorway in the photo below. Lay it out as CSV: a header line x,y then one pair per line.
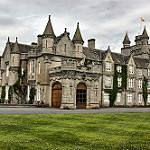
x,y
56,95
81,95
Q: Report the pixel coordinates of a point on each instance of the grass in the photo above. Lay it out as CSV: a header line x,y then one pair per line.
x,y
75,131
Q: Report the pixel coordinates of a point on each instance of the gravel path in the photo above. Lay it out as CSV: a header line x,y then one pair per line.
x,y
12,111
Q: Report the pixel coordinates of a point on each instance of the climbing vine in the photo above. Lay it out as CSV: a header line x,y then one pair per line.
x,y
3,94
32,94
113,92
144,88
10,94
19,89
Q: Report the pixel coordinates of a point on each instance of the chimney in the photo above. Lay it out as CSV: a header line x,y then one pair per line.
x,y
91,43
39,39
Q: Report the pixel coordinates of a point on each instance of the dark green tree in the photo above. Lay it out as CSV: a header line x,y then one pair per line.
x,y
145,92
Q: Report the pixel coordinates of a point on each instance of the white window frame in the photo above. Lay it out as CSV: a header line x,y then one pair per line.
x,y
130,83
140,72
129,97
38,92
119,81
140,83
39,67
148,72
29,92
131,69
33,67
140,97
148,84
118,99
30,67
107,81
148,98
6,96
106,97
7,71
108,66
119,68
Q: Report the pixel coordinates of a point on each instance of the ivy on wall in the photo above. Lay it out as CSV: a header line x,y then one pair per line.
x,y
32,94
19,89
3,94
10,94
144,88
113,92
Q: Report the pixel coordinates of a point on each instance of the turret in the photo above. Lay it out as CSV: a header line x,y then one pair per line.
x,y
126,45
144,40
78,42
48,38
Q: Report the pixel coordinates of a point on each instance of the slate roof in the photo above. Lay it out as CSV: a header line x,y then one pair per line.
x,y
126,39
141,62
22,47
77,36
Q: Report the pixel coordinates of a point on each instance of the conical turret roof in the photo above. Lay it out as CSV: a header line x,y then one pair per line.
x,y
145,33
49,29
16,47
126,39
77,36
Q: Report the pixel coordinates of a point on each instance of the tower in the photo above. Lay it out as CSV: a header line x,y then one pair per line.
x,y
144,40
126,45
48,38
78,42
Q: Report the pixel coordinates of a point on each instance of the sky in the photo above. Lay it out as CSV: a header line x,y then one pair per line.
x,y
105,20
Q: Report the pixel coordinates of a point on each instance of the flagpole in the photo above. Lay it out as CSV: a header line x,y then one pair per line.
x,y
141,26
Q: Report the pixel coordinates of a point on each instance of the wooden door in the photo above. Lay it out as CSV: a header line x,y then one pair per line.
x,y
56,95
81,96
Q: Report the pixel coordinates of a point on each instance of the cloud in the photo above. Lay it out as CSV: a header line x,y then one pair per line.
x,y
105,20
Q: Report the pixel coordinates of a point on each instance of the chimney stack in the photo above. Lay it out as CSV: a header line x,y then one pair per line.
x,y
91,43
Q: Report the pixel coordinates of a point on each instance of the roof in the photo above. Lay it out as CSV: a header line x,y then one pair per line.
x,y
118,58
77,36
49,29
141,62
22,47
126,39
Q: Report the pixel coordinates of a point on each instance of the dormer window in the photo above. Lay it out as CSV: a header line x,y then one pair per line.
x,y
130,69
108,66
140,72
119,68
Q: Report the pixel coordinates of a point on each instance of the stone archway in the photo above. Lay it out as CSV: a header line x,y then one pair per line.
x,y
56,95
81,96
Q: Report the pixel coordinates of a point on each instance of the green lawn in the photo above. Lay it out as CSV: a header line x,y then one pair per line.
x,y
75,131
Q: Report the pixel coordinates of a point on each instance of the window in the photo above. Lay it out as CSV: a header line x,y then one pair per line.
x,y
140,83
22,71
130,83
106,97
78,48
119,68
148,71
38,92
108,81
148,85
46,44
32,66
7,71
140,72
6,96
39,67
119,82
148,99
108,66
140,98
129,97
118,97
28,92
130,69
65,48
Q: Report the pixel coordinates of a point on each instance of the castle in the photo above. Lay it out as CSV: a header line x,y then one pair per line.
x,y
65,74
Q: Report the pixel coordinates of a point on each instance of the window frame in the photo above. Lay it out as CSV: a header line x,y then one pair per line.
x,y
108,66
131,69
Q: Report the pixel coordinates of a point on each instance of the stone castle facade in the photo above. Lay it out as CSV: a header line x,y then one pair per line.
x,y
66,74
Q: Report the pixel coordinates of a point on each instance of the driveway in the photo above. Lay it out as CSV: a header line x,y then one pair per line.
x,y
12,111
